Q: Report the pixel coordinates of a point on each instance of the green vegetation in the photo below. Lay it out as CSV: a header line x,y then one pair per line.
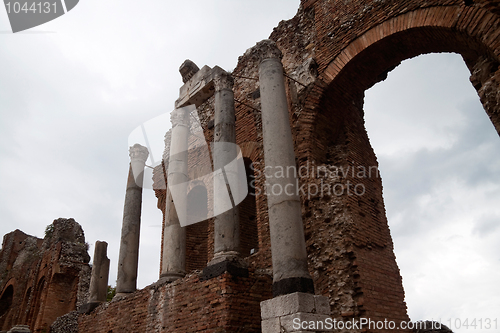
x,y
111,293
49,231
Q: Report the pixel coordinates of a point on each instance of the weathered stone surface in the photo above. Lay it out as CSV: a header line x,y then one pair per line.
x,y
128,260
287,232
33,271
226,225
188,69
100,273
173,264
66,324
197,90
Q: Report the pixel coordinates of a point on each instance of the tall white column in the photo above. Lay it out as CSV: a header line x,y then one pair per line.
x,y
289,256
226,225
174,236
129,247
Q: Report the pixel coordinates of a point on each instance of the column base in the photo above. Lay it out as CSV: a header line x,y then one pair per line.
x,y
89,307
122,294
226,256
234,265
293,285
170,277
289,311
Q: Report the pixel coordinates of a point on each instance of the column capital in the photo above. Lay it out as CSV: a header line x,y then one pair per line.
x,y
223,80
180,117
138,152
267,49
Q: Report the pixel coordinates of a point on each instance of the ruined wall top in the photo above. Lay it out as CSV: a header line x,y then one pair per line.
x,y
188,69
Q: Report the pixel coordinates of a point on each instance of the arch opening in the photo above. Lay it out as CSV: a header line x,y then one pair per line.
x,y
6,301
439,188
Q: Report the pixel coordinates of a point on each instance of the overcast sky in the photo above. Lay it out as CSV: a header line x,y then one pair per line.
x,y
74,89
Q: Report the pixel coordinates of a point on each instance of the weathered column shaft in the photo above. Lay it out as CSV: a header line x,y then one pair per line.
x,y
100,274
226,224
288,246
128,260
174,236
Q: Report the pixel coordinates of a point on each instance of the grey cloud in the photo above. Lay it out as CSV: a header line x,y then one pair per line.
x,y
486,225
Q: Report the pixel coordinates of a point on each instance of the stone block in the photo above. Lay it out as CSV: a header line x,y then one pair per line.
x,y
287,304
271,325
198,89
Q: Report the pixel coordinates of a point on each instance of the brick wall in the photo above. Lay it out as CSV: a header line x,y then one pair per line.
x,y
187,305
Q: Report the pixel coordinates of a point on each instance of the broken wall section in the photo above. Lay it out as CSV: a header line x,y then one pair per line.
x,y
42,279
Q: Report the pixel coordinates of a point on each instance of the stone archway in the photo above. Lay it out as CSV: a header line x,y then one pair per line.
x,y
5,306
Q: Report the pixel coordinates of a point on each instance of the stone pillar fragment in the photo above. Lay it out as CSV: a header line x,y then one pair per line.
x,y
129,247
226,225
289,256
99,279
100,273
174,236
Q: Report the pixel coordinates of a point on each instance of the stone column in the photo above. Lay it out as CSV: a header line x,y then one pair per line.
x,y
99,279
288,246
128,260
174,236
100,273
226,224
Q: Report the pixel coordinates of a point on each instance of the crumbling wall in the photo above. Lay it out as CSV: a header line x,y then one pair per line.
x,y
49,276
225,303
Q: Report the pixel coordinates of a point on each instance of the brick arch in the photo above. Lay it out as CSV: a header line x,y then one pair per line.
x,y
444,29
472,32
36,305
6,300
338,137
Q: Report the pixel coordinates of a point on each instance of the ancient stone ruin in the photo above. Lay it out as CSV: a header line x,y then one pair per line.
x,y
43,279
310,243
